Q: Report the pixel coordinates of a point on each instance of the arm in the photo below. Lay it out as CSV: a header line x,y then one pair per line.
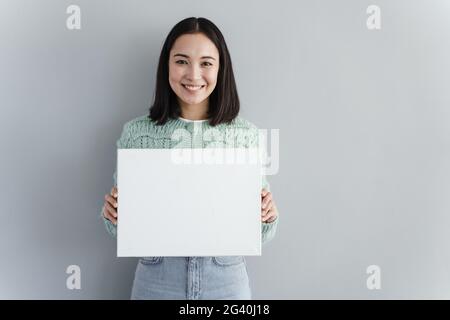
x,y
124,142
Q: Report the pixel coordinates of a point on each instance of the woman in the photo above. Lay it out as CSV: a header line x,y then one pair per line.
x,y
195,92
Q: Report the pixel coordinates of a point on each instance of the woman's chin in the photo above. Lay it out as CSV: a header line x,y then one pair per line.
x,y
192,101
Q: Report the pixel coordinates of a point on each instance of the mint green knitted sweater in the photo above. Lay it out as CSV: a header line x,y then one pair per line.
x,y
142,133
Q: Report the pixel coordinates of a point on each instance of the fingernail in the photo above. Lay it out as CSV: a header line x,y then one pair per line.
x,y
115,205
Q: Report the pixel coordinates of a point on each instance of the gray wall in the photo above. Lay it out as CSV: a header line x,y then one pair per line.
x,y
364,139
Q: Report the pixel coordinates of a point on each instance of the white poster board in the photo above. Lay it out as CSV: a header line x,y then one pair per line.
x,y
188,202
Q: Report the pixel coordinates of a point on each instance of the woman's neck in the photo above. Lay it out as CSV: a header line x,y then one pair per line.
x,y
194,111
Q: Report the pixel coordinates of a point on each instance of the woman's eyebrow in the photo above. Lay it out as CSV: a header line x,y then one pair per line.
x,y
186,56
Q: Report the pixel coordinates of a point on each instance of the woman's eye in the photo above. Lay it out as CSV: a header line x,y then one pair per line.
x,y
181,61
207,64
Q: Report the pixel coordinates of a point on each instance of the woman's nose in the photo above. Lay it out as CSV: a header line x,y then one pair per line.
x,y
194,72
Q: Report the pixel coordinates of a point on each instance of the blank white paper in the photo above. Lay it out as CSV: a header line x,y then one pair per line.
x,y
188,202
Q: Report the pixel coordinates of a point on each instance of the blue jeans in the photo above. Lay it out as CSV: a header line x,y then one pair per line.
x,y
192,278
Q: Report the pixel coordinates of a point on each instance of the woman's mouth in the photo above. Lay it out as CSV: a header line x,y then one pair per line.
x,y
192,88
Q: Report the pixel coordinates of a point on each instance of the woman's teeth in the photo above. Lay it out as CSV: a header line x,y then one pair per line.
x,y
192,88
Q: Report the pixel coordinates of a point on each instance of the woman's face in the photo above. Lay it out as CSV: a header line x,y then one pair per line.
x,y
193,68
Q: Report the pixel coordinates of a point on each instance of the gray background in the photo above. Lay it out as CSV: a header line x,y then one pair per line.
x,y
364,129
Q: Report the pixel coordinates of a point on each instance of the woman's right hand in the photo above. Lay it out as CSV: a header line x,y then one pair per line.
x,y
110,206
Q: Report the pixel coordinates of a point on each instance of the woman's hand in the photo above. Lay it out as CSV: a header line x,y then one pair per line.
x,y
269,211
110,206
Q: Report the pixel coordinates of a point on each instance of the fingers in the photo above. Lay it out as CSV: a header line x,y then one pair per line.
x,y
114,192
112,201
110,206
266,208
110,213
272,219
270,216
266,199
264,192
111,210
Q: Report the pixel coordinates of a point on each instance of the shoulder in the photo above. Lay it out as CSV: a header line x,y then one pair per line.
x,y
244,128
240,122
241,127
244,132
143,132
137,123
144,126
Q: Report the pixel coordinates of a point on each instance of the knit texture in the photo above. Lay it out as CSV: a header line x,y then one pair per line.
x,y
143,133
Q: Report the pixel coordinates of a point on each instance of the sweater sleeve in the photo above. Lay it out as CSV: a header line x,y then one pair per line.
x,y
122,143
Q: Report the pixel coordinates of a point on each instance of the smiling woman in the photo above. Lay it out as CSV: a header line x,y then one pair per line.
x,y
195,94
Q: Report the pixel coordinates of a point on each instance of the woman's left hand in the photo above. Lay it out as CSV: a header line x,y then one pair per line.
x,y
269,211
